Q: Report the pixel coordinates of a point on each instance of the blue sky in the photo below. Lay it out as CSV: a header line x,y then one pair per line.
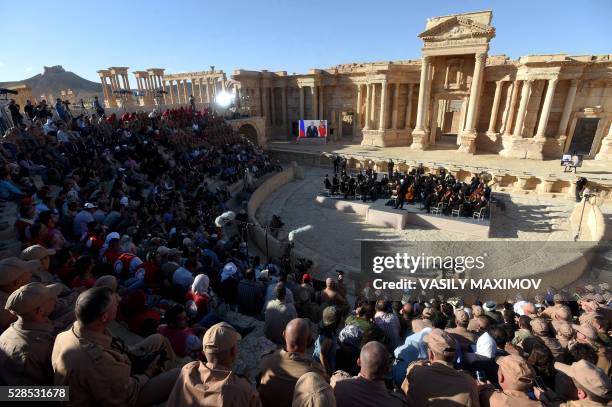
x,y
85,36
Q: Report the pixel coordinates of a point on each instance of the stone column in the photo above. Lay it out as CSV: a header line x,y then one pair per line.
x,y
383,105
366,123
104,88
163,87
273,115
200,90
567,111
185,91
548,99
321,110
339,135
208,91
506,107
495,108
284,102
511,109
605,151
468,136
408,118
266,105
357,114
372,106
315,96
178,92
419,135
169,96
520,117
395,112
302,103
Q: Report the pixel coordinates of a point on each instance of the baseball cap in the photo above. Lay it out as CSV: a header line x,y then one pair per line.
x,y
330,316
490,306
30,296
559,297
563,313
586,330
12,268
516,369
90,205
107,281
588,376
564,329
36,252
220,337
540,326
439,341
124,201
163,250
461,316
306,278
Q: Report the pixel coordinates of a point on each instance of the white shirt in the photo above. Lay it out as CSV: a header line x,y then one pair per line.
x,y
486,346
182,277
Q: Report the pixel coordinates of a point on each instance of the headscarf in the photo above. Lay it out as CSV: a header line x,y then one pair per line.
x,y
110,236
200,284
228,271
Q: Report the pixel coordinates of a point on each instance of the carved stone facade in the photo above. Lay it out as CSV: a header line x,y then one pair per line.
x,y
536,107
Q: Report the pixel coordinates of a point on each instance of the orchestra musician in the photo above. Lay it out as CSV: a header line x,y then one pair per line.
x,y
416,186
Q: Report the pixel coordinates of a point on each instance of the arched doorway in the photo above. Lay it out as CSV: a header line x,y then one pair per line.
x,y
250,132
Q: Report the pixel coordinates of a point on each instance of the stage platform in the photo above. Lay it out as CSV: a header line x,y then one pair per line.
x,y
411,217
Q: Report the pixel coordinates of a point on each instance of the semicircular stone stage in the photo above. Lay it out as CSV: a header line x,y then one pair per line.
x,y
336,235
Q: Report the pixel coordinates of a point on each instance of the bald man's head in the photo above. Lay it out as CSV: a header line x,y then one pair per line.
x,y
373,360
297,335
330,283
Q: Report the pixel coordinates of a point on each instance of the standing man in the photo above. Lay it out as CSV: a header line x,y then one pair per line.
x,y
98,107
402,188
311,131
16,116
213,383
390,166
25,347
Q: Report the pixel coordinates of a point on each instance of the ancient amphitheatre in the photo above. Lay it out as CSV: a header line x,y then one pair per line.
x,y
456,108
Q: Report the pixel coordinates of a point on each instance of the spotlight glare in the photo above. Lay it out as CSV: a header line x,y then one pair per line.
x,y
224,99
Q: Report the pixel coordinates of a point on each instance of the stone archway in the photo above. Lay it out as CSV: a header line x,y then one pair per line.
x,y
250,132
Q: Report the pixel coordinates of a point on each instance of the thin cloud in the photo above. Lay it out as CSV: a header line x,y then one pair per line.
x,y
29,69
1,64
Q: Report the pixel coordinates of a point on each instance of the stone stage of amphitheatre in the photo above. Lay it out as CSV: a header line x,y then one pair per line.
x,y
515,175
411,217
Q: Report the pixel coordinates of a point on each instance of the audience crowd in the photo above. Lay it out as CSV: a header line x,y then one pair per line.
x,y
123,225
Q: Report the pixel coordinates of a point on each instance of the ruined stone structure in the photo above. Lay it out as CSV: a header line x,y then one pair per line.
x,y
536,107
115,86
155,88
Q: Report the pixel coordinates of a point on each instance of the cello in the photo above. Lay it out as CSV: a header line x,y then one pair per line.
x,y
409,197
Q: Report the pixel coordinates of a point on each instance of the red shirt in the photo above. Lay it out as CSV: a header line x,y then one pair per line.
x,y
110,257
79,281
177,337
